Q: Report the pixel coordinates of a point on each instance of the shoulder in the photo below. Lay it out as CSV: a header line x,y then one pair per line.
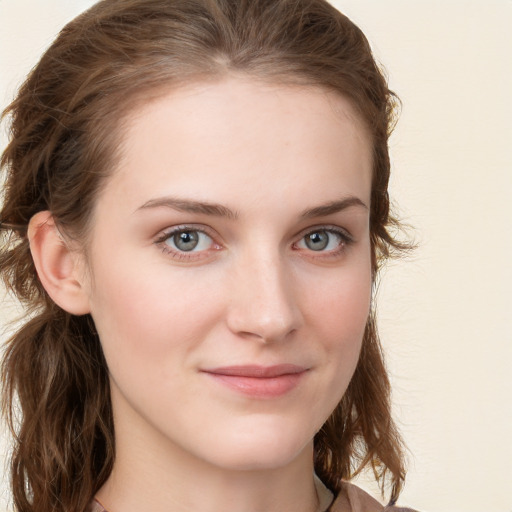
x,y
95,507
353,499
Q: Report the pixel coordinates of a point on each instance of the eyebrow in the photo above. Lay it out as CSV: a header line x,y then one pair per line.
x,y
333,207
219,210
190,206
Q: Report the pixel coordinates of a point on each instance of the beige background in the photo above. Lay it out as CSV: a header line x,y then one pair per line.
x,y
446,312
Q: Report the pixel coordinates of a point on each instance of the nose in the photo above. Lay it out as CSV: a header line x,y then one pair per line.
x,y
264,303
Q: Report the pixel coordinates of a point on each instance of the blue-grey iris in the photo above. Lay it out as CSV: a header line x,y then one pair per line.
x,y
186,240
317,241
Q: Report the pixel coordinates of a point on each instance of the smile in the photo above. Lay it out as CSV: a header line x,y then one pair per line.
x,y
259,381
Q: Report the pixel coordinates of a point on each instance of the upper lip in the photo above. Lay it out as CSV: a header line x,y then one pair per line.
x,y
256,371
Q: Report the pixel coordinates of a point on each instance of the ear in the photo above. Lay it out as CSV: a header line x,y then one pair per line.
x,y
57,265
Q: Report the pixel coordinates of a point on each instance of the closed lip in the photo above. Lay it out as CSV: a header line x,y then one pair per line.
x,y
256,371
259,382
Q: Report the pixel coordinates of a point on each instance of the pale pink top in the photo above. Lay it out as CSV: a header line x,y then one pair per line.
x,y
350,499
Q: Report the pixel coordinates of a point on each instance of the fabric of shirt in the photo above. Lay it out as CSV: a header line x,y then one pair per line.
x,y
350,499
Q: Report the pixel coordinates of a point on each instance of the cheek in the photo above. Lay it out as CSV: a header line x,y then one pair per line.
x,y
144,316
338,312
340,307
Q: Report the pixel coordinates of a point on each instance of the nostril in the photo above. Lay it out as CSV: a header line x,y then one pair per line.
x,y
266,324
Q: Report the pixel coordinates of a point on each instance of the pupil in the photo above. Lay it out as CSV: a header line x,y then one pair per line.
x,y
186,241
317,241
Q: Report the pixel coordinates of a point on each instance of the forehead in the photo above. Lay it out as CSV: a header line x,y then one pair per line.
x,y
241,134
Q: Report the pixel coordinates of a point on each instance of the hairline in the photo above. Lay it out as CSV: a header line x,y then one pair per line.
x,y
135,101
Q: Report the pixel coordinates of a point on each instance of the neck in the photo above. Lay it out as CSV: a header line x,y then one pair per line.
x,y
162,486
151,473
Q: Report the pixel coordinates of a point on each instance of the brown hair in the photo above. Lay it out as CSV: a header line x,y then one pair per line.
x,y
65,133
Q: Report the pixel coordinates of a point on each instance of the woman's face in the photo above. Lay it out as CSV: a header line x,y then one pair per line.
x,y
230,271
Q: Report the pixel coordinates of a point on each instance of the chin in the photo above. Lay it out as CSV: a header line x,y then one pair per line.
x,y
259,452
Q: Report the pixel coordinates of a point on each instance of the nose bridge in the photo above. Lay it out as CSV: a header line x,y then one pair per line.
x,y
263,303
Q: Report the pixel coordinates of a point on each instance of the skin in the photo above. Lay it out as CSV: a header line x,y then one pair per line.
x,y
252,291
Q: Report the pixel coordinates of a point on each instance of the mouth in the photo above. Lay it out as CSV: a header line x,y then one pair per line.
x,y
259,381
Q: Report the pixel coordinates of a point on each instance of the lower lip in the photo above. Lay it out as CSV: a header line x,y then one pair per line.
x,y
260,387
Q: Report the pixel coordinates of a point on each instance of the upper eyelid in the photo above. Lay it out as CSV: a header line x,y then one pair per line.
x,y
167,232
178,255
326,227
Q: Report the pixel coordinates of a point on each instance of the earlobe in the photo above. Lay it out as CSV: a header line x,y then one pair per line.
x,y
56,265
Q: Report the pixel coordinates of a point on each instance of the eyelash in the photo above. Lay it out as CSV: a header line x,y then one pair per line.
x,y
183,255
345,241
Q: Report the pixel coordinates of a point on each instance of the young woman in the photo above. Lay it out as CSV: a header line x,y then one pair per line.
x,y
195,213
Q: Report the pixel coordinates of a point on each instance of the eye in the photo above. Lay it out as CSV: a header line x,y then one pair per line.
x,y
189,240
324,240
185,242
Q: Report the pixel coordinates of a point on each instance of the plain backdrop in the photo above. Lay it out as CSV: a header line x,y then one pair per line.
x,y
445,313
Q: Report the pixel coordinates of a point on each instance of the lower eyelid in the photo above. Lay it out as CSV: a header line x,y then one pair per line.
x,y
344,237
200,240
161,241
345,240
